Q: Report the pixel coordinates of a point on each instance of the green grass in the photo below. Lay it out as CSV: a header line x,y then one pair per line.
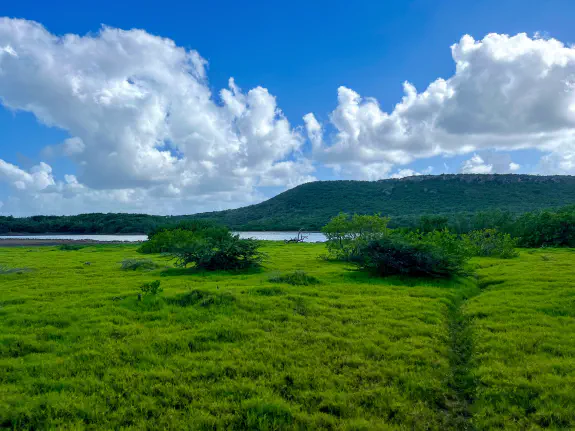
x,y
524,330
78,350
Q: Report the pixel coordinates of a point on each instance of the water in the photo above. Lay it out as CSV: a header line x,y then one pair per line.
x,y
273,236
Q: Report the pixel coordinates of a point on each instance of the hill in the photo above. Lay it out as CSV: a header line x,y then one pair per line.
x,y
310,206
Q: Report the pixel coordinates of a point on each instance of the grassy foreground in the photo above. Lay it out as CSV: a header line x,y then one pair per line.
x,y
524,337
216,351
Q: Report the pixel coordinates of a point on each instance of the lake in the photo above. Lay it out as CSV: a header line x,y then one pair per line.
x,y
270,236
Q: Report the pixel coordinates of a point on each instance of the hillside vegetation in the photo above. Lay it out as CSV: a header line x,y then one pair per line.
x,y
310,206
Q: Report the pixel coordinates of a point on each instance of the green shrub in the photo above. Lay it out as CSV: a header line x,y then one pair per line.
x,y
7,270
70,247
489,242
397,255
345,234
136,264
546,228
152,288
206,246
447,241
296,278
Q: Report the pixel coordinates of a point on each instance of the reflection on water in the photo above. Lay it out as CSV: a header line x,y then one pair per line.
x,y
272,236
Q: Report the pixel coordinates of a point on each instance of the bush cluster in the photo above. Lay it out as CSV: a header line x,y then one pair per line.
x,y
346,234
366,241
136,264
70,247
489,242
152,288
296,278
205,246
395,255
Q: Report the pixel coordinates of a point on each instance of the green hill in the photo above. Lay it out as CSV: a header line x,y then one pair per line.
x,y
311,205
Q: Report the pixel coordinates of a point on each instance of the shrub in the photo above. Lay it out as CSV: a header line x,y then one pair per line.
x,y
230,253
546,228
152,288
447,241
70,247
136,264
397,255
206,246
296,278
345,234
7,270
489,242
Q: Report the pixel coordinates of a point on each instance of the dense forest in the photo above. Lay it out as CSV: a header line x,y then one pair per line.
x,y
462,201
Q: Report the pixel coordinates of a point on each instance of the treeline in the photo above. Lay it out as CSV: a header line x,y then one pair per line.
x,y
541,228
533,229
94,223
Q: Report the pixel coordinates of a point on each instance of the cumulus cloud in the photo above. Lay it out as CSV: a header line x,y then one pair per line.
x,y
38,178
402,173
141,115
146,133
508,92
489,163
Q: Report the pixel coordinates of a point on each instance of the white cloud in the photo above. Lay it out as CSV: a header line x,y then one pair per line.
x,y
402,173
489,163
38,178
476,165
507,93
147,134
142,118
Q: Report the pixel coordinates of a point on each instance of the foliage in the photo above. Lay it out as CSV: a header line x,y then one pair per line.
x,y
70,247
230,253
489,242
136,264
296,278
345,234
396,255
151,288
205,245
547,228
310,206
486,242
356,352
447,241
430,223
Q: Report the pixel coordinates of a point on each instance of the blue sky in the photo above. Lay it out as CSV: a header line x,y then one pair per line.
x,y
300,53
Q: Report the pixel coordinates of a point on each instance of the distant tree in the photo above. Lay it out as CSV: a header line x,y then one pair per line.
x,y
429,223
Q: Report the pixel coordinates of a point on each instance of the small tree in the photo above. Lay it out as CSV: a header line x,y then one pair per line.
x,y
346,234
205,245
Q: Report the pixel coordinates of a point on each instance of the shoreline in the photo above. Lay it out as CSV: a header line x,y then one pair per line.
x,y
23,242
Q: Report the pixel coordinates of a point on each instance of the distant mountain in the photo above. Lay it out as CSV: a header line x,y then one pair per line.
x,y
309,206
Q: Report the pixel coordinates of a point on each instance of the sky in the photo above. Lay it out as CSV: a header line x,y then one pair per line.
x,y
185,107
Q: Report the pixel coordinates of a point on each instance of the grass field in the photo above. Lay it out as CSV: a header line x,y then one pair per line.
x,y
236,351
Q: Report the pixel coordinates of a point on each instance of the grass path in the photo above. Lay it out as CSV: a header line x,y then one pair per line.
x,y
460,380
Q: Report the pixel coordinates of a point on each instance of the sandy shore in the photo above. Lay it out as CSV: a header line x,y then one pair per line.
x,y
27,242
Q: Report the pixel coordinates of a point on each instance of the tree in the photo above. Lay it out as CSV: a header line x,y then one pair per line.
x,y
346,234
204,245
